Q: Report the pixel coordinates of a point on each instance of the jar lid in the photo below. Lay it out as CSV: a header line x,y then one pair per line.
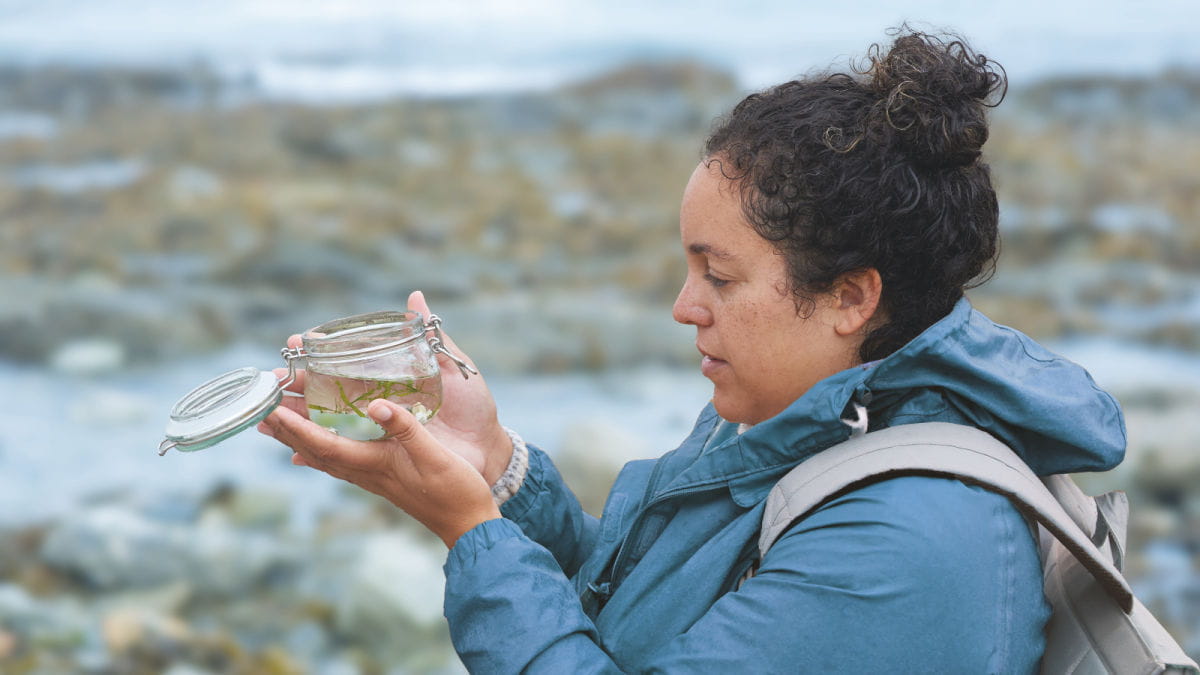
x,y
222,407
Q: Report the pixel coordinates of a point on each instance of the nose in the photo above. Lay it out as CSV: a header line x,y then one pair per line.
x,y
688,308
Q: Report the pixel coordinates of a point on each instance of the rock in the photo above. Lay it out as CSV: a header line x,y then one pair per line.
x,y
1127,218
590,457
8,644
384,592
1162,452
186,669
113,547
125,629
31,125
1153,522
226,562
395,580
61,623
71,179
307,642
170,599
340,664
17,607
88,356
189,185
258,509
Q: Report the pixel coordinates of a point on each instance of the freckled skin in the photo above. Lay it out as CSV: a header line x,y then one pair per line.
x,y
760,353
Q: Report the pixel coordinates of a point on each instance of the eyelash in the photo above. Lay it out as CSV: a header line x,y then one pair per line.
x,y
714,281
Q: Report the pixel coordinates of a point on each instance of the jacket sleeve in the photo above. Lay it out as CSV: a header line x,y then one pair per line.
x,y
512,610
859,586
548,513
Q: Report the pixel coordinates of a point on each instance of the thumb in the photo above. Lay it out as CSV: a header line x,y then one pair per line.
x,y
400,425
416,303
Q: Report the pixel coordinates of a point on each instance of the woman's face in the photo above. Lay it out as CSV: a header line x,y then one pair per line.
x,y
758,351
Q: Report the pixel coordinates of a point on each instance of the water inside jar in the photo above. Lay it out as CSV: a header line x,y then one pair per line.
x,y
339,403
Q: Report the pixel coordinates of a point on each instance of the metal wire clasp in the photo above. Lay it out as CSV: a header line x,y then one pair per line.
x,y
437,345
290,355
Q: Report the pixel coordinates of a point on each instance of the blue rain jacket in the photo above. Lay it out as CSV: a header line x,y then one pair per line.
x,y
912,574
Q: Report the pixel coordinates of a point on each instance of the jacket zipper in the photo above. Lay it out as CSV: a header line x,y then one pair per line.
x,y
610,581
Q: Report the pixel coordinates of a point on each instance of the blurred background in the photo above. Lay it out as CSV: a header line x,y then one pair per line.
x,y
185,184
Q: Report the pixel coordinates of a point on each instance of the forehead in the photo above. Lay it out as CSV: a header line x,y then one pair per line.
x,y
711,221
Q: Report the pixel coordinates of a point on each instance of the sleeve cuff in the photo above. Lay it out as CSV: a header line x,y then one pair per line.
x,y
533,487
478,540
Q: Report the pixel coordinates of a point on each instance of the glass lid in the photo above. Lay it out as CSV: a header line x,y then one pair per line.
x,y
225,405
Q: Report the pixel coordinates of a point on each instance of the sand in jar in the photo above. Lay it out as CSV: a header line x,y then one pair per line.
x,y
340,403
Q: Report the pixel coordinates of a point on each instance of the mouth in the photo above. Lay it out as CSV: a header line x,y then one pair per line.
x,y
709,365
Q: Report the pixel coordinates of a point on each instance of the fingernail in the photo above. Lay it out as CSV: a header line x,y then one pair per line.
x,y
263,428
381,413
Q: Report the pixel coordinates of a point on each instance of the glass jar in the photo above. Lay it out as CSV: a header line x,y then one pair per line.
x,y
350,362
356,360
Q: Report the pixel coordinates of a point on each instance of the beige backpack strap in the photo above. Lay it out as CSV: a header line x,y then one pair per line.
x,y
938,449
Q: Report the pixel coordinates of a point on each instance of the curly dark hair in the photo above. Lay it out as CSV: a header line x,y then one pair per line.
x,y
876,169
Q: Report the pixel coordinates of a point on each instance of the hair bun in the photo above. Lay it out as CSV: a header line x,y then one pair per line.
x,y
932,98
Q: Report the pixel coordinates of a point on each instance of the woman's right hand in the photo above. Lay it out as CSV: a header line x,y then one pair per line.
x,y
466,424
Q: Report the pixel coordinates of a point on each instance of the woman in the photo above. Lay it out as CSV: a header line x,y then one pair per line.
x,y
829,231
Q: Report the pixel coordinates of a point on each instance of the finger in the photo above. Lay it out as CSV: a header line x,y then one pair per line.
x,y
422,449
417,303
367,480
297,384
295,341
296,403
317,446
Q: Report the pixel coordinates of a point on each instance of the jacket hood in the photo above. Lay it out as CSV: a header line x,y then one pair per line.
x,y
969,370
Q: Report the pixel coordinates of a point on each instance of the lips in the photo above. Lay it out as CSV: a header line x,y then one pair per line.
x,y
710,364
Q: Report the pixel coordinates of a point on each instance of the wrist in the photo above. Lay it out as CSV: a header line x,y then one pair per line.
x,y
451,537
499,454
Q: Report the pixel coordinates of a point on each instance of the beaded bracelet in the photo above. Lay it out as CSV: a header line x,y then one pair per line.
x,y
514,476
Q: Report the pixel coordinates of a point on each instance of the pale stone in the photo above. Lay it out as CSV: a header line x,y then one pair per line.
x,y
88,356
590,457
8,644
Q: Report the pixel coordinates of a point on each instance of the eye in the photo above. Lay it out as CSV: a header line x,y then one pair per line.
x,y
716,282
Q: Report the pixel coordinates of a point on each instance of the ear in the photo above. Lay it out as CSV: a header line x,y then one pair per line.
x,y
856,302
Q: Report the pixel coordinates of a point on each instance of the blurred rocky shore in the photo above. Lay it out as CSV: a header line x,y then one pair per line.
x,y
221,586
162,214
224,582
152,216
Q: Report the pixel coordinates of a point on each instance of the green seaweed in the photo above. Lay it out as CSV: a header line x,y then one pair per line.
x,y
383,389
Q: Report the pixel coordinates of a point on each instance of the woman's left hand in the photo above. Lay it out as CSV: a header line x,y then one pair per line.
x,y
409,468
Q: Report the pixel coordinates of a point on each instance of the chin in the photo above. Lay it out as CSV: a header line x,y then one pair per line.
x,y
733,411
745,410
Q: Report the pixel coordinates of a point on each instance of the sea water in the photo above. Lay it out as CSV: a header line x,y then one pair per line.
x,y
87,436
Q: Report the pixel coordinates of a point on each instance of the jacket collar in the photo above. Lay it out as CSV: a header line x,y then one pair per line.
x,y
750,463
1046,408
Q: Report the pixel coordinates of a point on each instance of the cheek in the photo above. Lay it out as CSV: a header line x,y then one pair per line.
x,y
772,357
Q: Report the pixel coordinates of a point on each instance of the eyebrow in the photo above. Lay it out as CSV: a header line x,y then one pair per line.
x,y
709,250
